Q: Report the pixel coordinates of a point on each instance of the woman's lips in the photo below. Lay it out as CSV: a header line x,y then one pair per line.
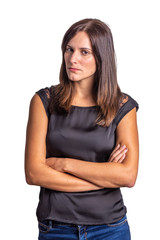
x,y
74,69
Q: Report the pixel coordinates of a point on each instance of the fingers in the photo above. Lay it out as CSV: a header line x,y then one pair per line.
x,y
51,161
122,158
115,149
118,154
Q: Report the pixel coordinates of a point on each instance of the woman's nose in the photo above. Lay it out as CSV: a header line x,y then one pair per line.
x,y
74,57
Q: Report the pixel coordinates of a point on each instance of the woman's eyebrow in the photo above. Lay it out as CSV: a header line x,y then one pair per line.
x,y
86,48
79,48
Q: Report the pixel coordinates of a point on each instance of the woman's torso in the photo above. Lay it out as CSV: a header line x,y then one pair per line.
x,y
75,135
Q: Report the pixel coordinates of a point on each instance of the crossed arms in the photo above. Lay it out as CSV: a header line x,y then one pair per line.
x,y
75,175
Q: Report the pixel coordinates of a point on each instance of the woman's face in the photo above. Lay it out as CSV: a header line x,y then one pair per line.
x,y
79,59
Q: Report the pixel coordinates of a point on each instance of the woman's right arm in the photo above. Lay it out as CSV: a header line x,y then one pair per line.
x,y
36,170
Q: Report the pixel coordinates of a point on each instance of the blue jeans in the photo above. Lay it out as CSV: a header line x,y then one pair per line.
x,y
53,230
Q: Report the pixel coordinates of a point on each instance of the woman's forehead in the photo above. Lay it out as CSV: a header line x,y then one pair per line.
x,y
80,40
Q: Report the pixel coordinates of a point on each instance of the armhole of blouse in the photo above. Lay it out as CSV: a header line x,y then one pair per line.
x,y
126,105
44,95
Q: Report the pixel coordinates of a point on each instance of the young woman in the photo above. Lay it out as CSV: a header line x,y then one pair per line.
x,y
82,141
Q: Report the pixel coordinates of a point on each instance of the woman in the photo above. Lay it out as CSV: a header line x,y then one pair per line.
x,y
82,141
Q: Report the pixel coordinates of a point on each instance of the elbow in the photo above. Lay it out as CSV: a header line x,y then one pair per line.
x,y
130,181
130,184
34,175
30,179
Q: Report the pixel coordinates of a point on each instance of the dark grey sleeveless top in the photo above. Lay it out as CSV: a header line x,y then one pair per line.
x,y
75,135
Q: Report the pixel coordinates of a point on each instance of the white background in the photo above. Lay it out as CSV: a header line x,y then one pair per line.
x,y
30,57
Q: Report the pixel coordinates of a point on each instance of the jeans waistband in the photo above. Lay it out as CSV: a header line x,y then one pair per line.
x,y
54,223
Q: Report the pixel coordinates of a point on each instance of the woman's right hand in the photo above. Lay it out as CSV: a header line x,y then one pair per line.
x,y
118,154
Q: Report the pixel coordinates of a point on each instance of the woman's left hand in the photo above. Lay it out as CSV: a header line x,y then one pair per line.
x,y
118,154
56,163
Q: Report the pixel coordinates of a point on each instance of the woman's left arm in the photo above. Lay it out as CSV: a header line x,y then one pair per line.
x,y
109,174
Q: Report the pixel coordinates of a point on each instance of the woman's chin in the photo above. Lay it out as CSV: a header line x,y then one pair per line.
x,y
74,79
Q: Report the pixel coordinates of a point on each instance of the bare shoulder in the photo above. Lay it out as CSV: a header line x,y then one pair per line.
x,y
36,101
129,118
37,108
127,128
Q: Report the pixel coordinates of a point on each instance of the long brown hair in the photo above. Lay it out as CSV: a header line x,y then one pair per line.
x,y
107,93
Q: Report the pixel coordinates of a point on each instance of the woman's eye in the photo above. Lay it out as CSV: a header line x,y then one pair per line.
x,y
69,49
84,52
